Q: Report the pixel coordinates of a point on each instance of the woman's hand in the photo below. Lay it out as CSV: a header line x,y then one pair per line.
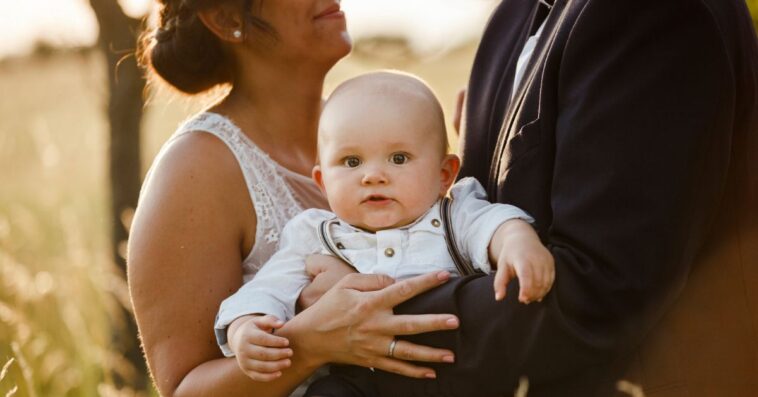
x,y
353,323
325,271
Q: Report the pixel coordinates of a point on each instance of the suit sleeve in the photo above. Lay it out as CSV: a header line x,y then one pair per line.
x,y
642,145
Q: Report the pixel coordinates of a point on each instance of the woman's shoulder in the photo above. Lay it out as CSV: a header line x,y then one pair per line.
x,y
197,155
196,169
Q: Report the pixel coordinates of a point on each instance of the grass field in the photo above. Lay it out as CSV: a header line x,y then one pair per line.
x,y
59,290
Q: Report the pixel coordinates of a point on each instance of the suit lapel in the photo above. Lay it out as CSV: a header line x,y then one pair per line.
x,y
530,72
491,84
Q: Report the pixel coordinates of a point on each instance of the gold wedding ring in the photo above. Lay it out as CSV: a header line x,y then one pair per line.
x,y
391,352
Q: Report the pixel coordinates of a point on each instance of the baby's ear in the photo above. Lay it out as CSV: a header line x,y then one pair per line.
x,y
318,177
451,164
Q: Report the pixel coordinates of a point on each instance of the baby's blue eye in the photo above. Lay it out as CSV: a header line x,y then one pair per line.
x,y
399,158
352,162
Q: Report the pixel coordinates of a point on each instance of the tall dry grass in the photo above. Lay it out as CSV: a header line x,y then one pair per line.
x,y
60,294
59,291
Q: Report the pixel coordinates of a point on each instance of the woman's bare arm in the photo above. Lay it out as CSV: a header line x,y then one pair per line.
x,y
193,226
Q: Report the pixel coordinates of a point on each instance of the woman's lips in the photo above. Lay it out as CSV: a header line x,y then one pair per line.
x,y
331,12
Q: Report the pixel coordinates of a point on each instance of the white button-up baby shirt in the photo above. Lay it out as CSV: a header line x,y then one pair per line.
x,y
404,252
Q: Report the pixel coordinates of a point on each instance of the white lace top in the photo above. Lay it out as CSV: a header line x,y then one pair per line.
x,y
278,194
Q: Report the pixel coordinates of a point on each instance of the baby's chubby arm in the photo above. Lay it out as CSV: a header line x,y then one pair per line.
x,y
499,236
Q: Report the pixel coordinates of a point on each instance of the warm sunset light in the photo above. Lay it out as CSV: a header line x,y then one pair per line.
x,y
387,198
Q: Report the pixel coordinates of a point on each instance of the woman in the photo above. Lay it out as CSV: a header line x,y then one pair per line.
x,y
224,185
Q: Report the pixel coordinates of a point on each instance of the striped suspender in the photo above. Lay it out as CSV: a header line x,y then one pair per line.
x,y
464,267
325,235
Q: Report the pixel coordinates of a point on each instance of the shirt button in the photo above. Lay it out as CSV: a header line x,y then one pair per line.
x,y
389,252
340,246
435,222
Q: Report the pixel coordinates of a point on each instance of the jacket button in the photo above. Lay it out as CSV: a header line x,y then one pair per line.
x,y
389,252
436,222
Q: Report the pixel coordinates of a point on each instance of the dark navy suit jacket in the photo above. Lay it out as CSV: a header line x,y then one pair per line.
x,y
632,141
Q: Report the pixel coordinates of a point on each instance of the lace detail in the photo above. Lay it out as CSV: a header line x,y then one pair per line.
x,y
274,200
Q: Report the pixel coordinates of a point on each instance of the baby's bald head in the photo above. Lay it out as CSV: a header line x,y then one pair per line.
x,y
385,99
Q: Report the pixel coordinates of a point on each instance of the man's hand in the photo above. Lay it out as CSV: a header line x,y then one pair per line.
x,y
325,272
261,355
518,252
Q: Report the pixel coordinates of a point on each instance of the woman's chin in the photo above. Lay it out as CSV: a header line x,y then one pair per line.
x,y
345,46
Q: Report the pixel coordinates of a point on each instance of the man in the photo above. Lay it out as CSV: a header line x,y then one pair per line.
x,y
630,135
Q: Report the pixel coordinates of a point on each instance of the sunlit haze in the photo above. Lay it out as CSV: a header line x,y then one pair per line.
x,y
426,24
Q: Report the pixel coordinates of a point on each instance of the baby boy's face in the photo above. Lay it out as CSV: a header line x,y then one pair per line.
x,y
382,162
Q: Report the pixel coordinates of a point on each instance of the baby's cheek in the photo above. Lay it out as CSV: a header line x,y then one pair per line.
x,y
346,212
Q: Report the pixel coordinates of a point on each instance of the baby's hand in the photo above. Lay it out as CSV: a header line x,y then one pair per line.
x,y
261,355
518,252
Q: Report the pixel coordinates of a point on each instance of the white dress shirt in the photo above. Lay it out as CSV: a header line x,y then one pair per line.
x,y
404,252
526,54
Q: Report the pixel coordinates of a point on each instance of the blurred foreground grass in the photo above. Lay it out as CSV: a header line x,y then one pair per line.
x,y
60,293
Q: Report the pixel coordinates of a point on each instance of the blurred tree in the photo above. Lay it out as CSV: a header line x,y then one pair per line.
x,y
117,39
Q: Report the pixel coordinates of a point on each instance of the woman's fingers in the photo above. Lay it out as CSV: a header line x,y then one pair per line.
x,y
365,282
403,368
411,324
408,351
401,291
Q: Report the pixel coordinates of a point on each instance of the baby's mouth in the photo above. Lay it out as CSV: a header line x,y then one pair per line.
x,y
377,199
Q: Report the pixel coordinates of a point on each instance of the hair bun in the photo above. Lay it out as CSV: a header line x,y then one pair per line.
x,y
183,52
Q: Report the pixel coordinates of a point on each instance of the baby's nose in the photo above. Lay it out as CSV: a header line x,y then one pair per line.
x,y
374,176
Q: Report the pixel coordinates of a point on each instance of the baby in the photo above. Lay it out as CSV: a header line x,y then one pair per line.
x,y
384,166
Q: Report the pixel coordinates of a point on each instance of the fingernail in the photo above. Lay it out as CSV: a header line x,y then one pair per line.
x,y
430,375
288,363
290,352
453,322
448,359
443,275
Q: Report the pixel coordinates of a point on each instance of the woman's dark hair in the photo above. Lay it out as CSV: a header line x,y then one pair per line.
x,y
183,52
